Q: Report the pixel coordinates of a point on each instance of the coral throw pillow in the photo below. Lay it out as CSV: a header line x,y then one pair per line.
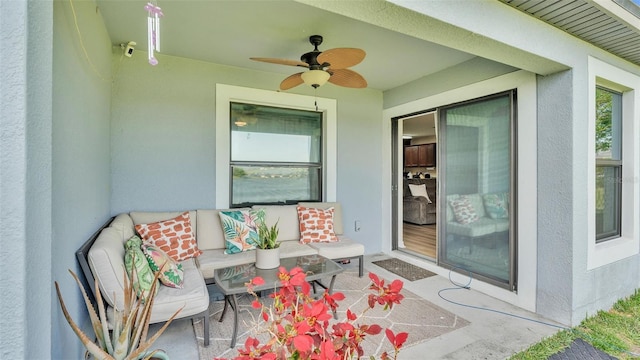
x,y
138,268
240,229
316,225
463,210
173,236
171,273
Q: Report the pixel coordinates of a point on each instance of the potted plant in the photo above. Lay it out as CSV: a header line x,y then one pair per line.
x,y
128,339
268,247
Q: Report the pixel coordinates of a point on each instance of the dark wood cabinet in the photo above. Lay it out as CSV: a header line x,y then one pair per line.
x,y
420,155
428,152
411,156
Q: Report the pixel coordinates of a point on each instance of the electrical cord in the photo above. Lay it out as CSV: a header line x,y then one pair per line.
x,y
467,286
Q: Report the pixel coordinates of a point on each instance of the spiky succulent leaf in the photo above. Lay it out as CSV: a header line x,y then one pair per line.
x,y
93,349
95,321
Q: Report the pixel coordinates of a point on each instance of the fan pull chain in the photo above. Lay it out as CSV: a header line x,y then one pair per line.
x,y
315,97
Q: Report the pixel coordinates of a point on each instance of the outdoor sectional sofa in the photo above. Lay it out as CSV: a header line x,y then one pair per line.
x,y
102,256
477,217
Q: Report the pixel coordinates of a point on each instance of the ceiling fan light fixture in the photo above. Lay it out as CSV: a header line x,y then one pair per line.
x,y
315,78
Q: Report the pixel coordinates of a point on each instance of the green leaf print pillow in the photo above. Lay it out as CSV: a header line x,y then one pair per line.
x,y
138,267
241,229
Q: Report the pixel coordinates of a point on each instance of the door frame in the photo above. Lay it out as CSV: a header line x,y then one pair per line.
x,y
397,166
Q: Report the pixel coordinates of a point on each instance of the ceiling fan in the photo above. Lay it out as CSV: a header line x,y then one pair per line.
x,y
330,65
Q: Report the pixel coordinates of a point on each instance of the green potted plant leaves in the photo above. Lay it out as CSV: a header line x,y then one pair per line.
x,y
268,247
128,339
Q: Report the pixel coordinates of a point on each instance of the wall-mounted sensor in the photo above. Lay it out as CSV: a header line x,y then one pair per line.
x,y
129,48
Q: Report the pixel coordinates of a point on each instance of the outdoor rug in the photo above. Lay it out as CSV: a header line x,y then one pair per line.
x,y
404,269
581,350
420,318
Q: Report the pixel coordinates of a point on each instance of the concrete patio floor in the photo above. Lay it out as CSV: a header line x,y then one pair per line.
x,y
489,335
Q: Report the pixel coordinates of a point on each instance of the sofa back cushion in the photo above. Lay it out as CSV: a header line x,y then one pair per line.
x,y
106,260
287,218
209,234
146,217
124,225
337,213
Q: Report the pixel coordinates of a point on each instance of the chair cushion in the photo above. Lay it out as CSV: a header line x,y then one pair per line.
x,y
193,295
483,226
106,260
295,248
213,259
344,248
124,224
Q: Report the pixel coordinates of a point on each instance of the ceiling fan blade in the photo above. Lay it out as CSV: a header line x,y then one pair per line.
x,y
291,81
281,61
347,78
341,58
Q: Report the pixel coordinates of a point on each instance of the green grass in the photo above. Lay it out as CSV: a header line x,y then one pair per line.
x,y
616,332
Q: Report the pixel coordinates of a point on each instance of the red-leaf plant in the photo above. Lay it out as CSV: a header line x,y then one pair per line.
x,y
299,325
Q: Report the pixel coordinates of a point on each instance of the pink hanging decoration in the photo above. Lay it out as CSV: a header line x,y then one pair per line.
x,y
153,30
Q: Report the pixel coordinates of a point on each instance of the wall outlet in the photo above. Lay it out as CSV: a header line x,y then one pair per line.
x,y
357,225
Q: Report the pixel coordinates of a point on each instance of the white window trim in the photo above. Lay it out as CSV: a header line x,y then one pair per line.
x,y
628,244
228,93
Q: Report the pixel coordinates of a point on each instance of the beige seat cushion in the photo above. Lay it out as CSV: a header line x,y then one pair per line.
x,y
213,259
344,248
293,248
193,295
481,227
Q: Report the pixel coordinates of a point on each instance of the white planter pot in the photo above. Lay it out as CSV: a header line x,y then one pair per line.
x,y
267,258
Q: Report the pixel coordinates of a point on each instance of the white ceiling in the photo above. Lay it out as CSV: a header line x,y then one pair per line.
x,y
229,32
420,125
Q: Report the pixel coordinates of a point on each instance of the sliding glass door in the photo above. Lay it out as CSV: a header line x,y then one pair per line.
x,y
477,188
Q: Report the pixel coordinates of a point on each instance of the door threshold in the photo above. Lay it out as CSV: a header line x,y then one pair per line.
x,y
416,254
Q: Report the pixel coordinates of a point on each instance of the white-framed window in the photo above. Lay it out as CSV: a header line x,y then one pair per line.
x,y
613,169
608,116
276,155
228,94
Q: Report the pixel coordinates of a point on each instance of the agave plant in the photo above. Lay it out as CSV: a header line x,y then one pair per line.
x,y
127,339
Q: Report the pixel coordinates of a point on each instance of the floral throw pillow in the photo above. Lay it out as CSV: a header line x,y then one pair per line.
x,y
241,229
138,268
171,273
173,236
463,210
316,225
496,205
